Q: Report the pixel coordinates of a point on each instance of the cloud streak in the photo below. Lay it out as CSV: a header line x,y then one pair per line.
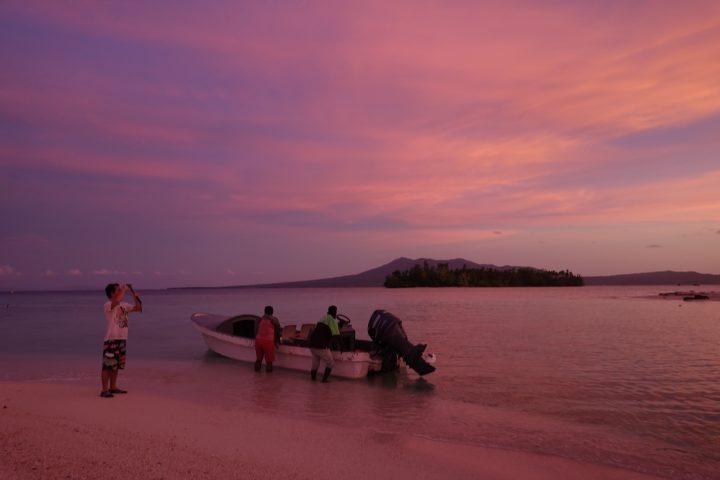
x,y
7,270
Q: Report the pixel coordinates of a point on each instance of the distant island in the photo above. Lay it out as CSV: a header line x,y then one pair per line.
x,y
443,276
376,277
667,277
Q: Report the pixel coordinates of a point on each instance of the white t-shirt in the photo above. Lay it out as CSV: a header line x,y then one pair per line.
x,y
117,321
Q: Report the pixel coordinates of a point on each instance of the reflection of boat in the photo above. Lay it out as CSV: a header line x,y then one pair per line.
x,y
234,337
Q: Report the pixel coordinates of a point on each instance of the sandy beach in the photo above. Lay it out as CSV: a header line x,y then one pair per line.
x,y
56,430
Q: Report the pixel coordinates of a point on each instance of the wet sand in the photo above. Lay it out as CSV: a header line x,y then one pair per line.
x,y
56,430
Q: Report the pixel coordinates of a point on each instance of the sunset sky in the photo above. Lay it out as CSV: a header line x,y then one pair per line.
x,y
185,143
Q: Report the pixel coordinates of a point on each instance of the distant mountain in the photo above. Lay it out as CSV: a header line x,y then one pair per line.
x,y
656,278
371,278
375,277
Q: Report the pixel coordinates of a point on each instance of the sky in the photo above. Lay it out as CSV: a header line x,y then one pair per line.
x,y
226,142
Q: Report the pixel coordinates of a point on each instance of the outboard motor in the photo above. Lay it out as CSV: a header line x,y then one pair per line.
x,y
386,330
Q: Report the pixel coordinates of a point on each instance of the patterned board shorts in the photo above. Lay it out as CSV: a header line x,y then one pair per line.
x,y
114,354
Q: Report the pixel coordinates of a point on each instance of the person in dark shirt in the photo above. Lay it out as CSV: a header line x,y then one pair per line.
x,y
322,335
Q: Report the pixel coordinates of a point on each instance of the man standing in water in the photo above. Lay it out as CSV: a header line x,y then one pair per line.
x,y
267,336
114,348
325,331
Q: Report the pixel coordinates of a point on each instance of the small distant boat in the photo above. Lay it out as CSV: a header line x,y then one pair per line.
x,y
234,337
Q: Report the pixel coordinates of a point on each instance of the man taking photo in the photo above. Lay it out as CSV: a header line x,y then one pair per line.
x,y
116,332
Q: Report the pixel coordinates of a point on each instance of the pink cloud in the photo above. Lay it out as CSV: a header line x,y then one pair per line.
x,y
418,126
6,270
105,272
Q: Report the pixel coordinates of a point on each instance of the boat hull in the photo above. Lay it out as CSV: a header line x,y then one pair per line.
x,y
355,364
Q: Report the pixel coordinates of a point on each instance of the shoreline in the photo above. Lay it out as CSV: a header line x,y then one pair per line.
x,y
55,430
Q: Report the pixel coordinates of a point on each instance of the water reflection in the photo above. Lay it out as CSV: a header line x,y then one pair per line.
x,y
640,373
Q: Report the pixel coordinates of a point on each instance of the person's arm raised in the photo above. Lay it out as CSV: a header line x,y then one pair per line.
x,y
117,296
138,303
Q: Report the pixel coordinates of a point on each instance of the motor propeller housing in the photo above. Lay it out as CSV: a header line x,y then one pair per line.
x,y
387,332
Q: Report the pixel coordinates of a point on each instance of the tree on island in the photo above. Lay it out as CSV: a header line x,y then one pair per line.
x,y
442,276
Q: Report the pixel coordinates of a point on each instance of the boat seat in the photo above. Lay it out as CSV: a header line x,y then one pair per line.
x,y
305,331
288,332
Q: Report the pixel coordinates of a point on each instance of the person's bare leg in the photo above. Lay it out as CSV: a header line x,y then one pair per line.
x,y
113,379
104,379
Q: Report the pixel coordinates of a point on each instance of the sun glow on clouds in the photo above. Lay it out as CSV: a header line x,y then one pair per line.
x,y
188,134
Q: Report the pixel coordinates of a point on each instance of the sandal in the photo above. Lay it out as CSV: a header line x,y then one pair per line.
x,y
117,391
106,394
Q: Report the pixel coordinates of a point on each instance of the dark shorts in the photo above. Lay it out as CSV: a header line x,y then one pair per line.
x,y
114,354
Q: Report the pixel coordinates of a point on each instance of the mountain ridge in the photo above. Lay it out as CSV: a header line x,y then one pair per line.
x,y
663,277
375,277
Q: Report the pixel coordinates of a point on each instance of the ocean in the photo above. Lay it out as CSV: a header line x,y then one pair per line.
x,y
611,375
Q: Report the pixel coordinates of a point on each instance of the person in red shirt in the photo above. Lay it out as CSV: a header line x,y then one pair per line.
x,y
267,337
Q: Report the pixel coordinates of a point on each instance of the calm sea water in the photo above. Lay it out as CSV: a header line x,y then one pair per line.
x,y
600,374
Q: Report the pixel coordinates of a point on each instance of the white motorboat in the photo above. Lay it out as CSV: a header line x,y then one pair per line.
x,y
221,337
233,337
